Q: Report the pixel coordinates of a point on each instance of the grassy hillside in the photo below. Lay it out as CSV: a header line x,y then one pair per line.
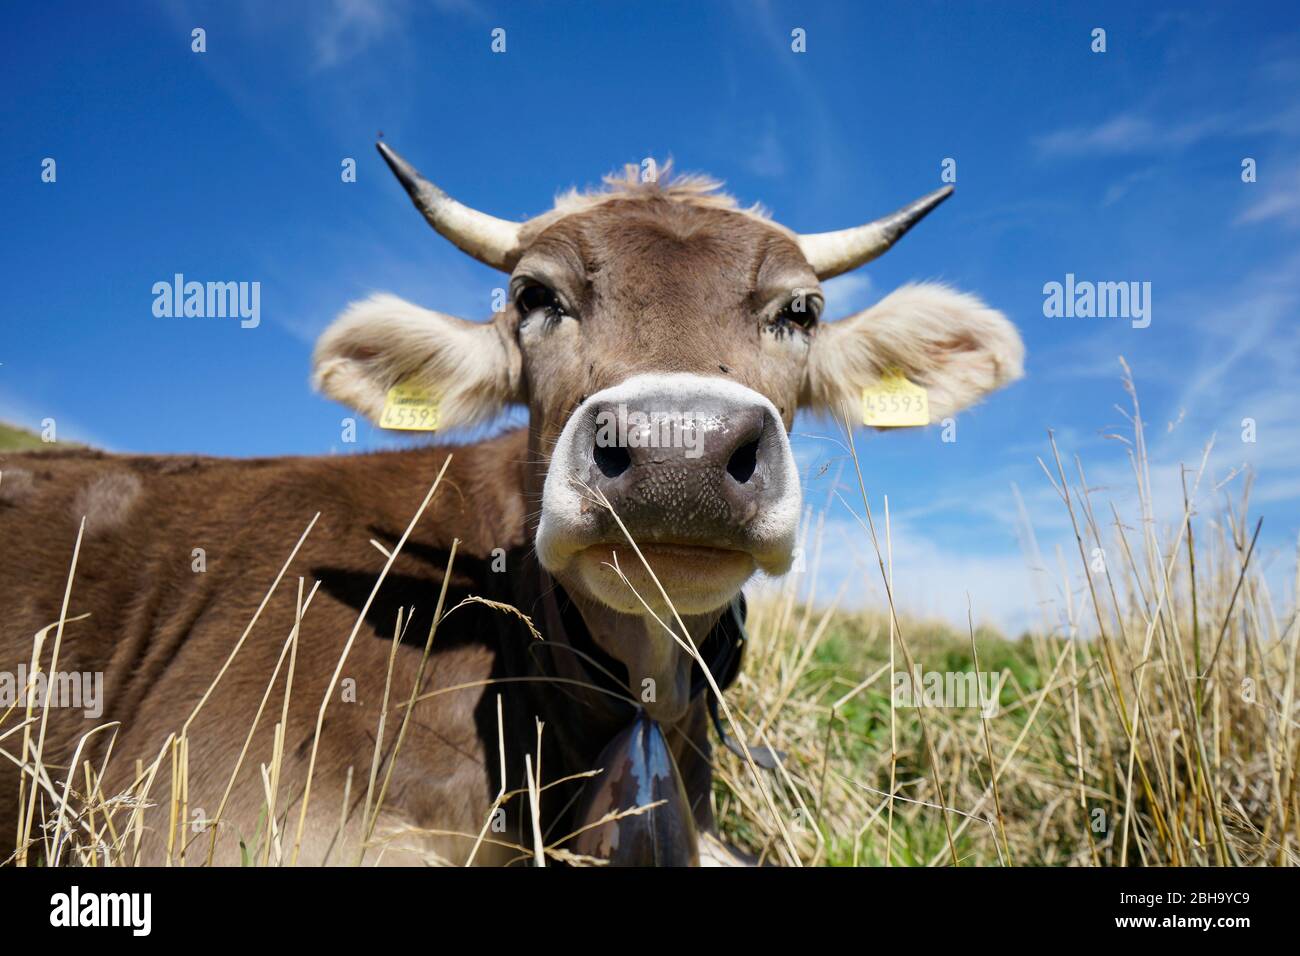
x,y
1167,738
13,438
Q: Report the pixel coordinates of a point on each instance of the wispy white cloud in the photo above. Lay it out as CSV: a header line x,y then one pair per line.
x,y
763,22
1158,126
767,157
1117,191
1278,200
343,29
930,580
1130,133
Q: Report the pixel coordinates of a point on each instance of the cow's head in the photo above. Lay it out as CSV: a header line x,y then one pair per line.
x,y
662,340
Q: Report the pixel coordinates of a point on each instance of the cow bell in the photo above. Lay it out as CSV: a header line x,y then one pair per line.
x,y
637,770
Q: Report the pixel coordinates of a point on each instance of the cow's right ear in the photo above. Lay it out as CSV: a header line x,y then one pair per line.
x,y
473,368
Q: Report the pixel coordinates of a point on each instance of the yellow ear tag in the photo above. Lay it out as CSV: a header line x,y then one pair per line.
x,y
411,408
894,402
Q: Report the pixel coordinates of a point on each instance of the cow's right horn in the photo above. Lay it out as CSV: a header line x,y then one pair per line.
x,y
492,241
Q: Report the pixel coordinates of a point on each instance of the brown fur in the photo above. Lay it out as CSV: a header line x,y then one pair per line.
x,y
160,631
658,279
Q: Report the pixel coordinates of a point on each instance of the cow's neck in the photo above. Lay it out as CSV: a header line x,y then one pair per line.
x,y
657,664
593,663
585,648
587,698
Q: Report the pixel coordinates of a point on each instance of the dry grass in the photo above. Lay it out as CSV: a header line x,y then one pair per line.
x,y
1154,726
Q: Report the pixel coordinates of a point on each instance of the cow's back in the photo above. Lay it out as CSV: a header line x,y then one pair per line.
x,y
177,555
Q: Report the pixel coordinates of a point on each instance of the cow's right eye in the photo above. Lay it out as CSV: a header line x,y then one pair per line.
x,y
535,296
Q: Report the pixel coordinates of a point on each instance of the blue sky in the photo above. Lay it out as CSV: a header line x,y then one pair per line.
x,y
1115,166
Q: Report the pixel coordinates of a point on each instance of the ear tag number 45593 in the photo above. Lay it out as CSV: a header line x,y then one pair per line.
x,y
411,408
894,402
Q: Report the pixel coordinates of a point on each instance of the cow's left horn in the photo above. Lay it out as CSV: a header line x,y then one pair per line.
x,y
492,241
830,253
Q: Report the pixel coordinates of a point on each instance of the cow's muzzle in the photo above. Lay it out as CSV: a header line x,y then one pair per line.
x,y
699,472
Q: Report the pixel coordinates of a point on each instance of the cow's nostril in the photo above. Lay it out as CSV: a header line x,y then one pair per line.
x,y
743,462
611,459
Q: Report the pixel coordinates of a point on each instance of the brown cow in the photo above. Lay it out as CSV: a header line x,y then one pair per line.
x,y
662,340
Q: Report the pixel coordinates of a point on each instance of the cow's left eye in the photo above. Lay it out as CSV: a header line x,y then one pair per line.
x,y
534,297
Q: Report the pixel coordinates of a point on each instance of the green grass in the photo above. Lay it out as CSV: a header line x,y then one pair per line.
x,y
13,438
853,646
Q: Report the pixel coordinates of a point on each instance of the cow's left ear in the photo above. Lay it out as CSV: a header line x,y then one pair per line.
x,y
950,343
472,368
